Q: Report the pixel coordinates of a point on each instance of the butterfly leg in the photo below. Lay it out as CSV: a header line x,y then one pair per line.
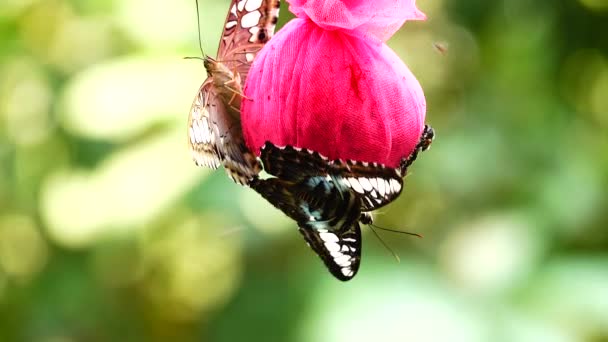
x,y
423,144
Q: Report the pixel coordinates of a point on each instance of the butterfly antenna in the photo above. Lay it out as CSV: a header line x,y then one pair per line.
x,y
395,231
371,226
198,24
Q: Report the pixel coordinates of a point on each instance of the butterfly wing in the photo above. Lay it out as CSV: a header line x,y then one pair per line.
x,y
327,218
292,163
375,184
249,25
214,125
202,135
340,250
215,137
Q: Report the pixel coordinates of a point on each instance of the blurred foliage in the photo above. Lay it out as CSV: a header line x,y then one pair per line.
x,y
108,232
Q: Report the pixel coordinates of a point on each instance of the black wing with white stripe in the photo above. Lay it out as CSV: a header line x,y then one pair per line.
x,y
375,184
327,217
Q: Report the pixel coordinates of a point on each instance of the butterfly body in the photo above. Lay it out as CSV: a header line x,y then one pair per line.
x,y
227,85
214,124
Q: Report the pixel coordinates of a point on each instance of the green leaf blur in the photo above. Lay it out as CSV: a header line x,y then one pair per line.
x,y
108,232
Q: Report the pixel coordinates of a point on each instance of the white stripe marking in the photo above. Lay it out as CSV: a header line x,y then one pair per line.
x,y
197,132
374,182
347,271
329,237
381,186
365,184
395,186
354,183
342,259
332,247
192,137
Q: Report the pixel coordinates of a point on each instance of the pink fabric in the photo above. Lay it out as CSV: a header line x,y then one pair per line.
x,y
322,83
372,18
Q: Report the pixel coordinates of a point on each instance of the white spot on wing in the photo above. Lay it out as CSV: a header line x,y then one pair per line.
x,y
254,31
251,19
249,56
253,5
231,24
241,5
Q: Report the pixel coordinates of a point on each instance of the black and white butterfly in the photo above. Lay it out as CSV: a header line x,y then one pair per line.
x,y
329,198
214,123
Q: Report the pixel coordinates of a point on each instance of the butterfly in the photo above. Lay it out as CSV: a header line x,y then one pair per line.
x,y
214,123
329,199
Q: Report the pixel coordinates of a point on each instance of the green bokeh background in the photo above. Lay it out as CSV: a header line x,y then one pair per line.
x,y
108,232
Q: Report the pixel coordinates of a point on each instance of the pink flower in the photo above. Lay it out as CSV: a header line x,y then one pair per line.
x,y
327,82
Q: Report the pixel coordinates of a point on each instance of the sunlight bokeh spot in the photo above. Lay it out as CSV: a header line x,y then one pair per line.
x,y
92,38
23,251
410,306
584,82
572,194
190,269
127,190
25,101
595,5
491,254
148,23
580,283
39,23
151,91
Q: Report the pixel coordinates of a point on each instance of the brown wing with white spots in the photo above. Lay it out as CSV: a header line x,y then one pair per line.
x,y
376,184
202,135
215,137
249,25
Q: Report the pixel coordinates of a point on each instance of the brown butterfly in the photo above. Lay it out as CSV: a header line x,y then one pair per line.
x,y
214,123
